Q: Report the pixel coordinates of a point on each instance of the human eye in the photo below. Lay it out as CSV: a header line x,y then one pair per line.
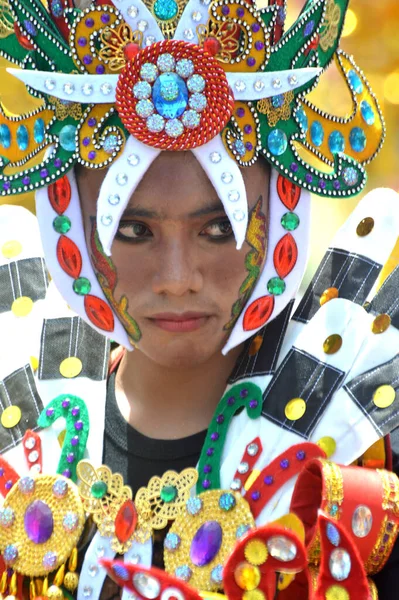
x,y
218,230
133,231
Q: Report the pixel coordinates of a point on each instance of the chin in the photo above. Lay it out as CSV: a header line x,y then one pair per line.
x,y
183,352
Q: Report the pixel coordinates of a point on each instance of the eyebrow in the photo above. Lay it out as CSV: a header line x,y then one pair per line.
x,y
138,211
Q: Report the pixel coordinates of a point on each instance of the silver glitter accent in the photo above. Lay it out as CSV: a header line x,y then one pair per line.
x,y
188,34
243,468
259,85
174,128
235,484
253,449
133,160
196,16
240,85
149,72
87,591
142,25
196,83
198,102
114,199
133,11
144,108
146,585
191,119
276,83
93,570
155,123
33,456
30,443
50,84
239,215
215,157
87,89
100,551
149,40
121,179
293,80
166,62
234,195
106,89
68,88
185,67
227,177
142,90
106,220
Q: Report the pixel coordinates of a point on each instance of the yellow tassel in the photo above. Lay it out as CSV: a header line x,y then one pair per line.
x,y
73,560
59,578
32,590
39,586
13,585
3,582
44,587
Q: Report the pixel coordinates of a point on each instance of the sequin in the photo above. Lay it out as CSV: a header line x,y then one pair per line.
x,y
332,343
194,505
185,67
336,142
155,123
142,90
381,323
333,534
172,541
183,572
384,396
146,585
256,552
149,72
357,139
362,521
242,530
355,81
10,554
340,564
247,576
191,119
365,227
350,176
60,488
166,62
277,142
196,83
281,548
22,306
217,574
70,521
239,147
198,102
23,137
174,128
295,409
144,108
227,502
7,517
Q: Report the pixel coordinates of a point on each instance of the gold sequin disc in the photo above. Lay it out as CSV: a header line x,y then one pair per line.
x,y
381,323
247,576
328,444
332,344
11,249
295,409
253,595
71,367
11,416
22,306
256,552
365,227
384,396
337,592
328,294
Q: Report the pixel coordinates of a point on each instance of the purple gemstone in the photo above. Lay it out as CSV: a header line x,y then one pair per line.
x,y
86,141
281,16
70,457
78,425
100,69
244,393
247,129
336,184
6,185
43,173
251,61
255,496
248,146
225,10
75,411
240,13
87,59
91,155
206,484
309,28
210,451
322,184
285,463
207,468
259,45
206,543
75,441
89,22
240,112
9,484
219,419
82,41
67,473
255,27
92,122
105,18
214,436
50,412
253,404
268,479
38,522
1,471
26,180
66,403
58,163
309,178
300,454
231,400
386,539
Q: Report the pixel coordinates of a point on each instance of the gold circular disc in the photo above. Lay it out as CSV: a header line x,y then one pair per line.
x,y
246,576
332,344
328,444
384,396
365,227
295,409
256,552
11,416
11,249
337,592
253,595
381,323
22,306
71,367
328,294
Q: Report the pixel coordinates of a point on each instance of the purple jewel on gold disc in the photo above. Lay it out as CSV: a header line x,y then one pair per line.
x,y
82,41
38,522
100,69
89,22
92,122
255,27
251,61
240,112
105,18
247,129
206,543
240,12
225,10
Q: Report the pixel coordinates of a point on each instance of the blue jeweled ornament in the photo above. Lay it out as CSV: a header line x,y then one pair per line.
x,y
367,112
23,137
165,10
38,131
350,176
5,136
277,101
194,505
56,8
355,81
336,142
172,541
333,534
317,133
67,138
183,572
302,118
196,83
357,139
277,142
239,147
170,95
227,501
217,574
206,543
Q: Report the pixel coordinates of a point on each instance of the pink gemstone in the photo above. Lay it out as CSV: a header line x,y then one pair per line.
x,y
38,522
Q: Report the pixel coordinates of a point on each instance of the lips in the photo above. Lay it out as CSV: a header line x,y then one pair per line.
x,y
179,322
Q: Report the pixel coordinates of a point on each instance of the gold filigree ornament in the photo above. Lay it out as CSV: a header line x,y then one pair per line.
x,y
6,19
329,31
115,45
277,108
224,37
202,537
64,109
41,521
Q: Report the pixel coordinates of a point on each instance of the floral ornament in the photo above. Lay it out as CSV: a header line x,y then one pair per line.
x,y
332,19
119,46
221,40
163,500
64,109
276,108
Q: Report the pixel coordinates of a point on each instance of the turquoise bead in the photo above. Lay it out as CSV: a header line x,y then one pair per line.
x,y
23,137
5,136
367,112
67,138
38,131
277,142
355,81
336,142
170,95
357,139
165,10
277,101
317,133
302,118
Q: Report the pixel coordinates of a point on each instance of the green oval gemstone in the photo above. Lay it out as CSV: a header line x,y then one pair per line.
x,y
168,493
276,286
62,224
99,489
81,286
290,221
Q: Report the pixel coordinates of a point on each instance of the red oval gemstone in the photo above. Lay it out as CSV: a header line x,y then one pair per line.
x,y
125,522
285,255
22,39
59,194
288,192
130,50
99,313
212,46
69,257
258,313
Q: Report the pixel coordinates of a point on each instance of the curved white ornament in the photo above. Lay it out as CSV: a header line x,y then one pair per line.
x,y
196,12
92,574
139,18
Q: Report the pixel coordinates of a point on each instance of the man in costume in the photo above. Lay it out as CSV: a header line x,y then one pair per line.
x,y
232,445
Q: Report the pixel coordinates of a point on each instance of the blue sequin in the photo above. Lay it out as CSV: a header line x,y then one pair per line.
x,y
23,137
172,541
217,574
163,87
183,572
121,572
30,28
350,176
277,142
302,118
5,136
165,9
317,133
357,139
38,131
367,112
227,501
56,8
277,101
308,28
239,147
194,505
336,142
333,534
355,81
242,530
67,138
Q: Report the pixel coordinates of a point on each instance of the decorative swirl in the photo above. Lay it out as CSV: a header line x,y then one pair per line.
x,y
244,140
99,146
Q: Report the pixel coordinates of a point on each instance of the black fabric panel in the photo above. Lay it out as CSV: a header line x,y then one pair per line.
x,y
265,360
19,389
65,337
26,277
352,274
387,298
362,388
300,375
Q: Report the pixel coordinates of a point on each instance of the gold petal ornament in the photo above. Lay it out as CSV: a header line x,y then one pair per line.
x,y
6,20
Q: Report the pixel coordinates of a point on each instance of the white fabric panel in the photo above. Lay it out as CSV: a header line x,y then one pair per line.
x,y
248,86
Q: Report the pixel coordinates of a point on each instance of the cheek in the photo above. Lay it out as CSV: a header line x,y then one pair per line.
x,y
227,272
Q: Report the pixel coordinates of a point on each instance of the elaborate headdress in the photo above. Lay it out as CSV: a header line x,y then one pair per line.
x,y
123,80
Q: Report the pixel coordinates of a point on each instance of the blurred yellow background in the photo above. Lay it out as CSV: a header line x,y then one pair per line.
x,y
371,34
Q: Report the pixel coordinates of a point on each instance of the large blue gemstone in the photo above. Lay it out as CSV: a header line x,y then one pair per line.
x,y
355,81
38,131
302,118
367,112
206,543
5,136
165,9
317,133
357,139
22,137
67,138
277,142
170,95
336,142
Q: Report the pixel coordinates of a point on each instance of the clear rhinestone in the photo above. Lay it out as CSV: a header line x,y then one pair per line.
x,y
239,215
132,597
281,548
133,160
174,128
87,89
106,89
149,72
362,521
114,199
100,551
106,220
227,177
146,585
243,468
49,84
240,85
166,62
215,157
121,179
205,2
93,570
340,564
155,123
35,469
253,449
293,80
234,195
135,559
259,85
87,591
333,534
188,34
149,40
33,456
68,88
30,443
196,16
235,484
133,11
142,25
276,84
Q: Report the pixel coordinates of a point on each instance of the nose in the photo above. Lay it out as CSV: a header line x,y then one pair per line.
x,y
177,272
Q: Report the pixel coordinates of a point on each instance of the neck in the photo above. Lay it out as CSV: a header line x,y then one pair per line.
x,y
166,403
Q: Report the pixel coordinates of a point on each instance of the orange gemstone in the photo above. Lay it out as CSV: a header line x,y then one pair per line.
x,y
255,345
212,46
130,50
258,313
365,227
285,255
247,576
381,323
69,257
59,194
125,522
332,344
288,192
99,313
328,294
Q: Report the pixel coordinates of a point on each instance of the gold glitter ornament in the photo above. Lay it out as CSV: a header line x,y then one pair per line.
x,y
381,323
332,344
384,396
253,595
71,581
256,552
247,576
54,593
337,592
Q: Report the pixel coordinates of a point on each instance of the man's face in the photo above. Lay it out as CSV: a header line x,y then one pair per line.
x,y
175,256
